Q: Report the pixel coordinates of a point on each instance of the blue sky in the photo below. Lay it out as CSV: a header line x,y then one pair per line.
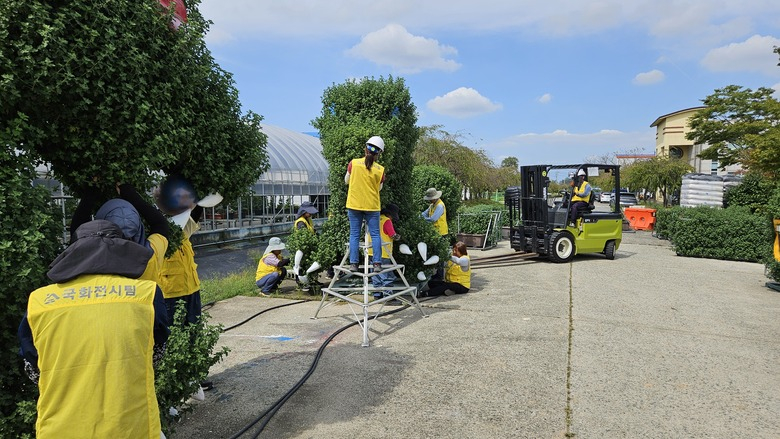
x,y
546,82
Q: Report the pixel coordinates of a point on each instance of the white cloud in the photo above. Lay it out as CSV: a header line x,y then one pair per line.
x,y
561,146
462,103
776,88
394,46
752,55
700,23
647,78
545,98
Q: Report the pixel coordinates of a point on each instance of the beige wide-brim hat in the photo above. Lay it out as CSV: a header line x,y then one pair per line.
x,y
274,244
432,194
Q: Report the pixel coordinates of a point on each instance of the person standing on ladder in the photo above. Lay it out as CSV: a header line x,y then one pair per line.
x,y
365,178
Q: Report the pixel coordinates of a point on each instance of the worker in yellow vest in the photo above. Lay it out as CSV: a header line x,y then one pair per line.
x,y
303,218
270,269
457,276
303,222
365,178
179,273
580,197
388,234
89,339
127,212
436,213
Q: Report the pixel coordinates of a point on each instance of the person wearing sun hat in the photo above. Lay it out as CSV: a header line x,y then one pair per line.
x,y
270,270
303,218
365,177
436,213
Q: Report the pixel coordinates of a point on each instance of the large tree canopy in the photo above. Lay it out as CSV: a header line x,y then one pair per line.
x,y
741,126
107,92
473,168
661,174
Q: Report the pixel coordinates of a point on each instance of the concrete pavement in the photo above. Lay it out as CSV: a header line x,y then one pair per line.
x,y
649,345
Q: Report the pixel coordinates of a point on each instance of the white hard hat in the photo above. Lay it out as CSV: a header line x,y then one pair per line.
x,y
581,172
377,142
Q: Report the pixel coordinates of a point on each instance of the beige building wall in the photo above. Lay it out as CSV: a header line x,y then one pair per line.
x,y
670,141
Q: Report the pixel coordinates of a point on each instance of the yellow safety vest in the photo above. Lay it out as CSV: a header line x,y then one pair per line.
x,y
94,336
153,270
306,221
385,239
363,193
264,269
456,274
440,224
179,273
576,197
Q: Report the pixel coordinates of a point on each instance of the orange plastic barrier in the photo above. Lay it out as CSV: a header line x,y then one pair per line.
x,y
640,218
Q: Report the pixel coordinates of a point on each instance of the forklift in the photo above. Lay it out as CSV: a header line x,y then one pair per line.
x,y
540,222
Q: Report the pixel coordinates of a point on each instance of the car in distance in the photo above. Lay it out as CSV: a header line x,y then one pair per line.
x,y
605,197
626,199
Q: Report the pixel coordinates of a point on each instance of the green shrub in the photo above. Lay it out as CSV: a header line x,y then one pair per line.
x,y
30,237
665,221
733,234
752,193
307,242
188,356
427,176
773,211
474,219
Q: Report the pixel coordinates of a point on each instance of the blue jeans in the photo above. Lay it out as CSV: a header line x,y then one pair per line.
x,y
356,218
270,281
384,279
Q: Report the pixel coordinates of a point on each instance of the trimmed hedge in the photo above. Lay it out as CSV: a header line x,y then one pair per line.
x,y
732,234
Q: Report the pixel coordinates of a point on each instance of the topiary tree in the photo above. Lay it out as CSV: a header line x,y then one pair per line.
x,y
351,113
29,240
109,92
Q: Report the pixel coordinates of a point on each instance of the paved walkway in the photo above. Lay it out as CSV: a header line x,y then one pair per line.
x,y
650,345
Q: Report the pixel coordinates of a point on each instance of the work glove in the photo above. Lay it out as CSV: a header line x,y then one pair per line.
x,y
284,262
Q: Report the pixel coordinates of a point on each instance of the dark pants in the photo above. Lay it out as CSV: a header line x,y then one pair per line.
x,y
192,304
438,287
575,207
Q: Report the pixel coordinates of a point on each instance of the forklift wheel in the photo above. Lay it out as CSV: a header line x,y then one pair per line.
x,y
609,250
561,246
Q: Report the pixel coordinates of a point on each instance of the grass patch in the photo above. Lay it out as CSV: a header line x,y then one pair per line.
x,y
243,284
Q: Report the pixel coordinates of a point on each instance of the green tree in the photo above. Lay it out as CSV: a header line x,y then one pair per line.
x,y
510,162
661,174
351,113
740,126
472,168
109,92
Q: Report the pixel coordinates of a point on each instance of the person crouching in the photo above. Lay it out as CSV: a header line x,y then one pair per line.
x,y
270,270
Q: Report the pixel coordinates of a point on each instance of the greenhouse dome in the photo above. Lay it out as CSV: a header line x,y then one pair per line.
x,y
297,172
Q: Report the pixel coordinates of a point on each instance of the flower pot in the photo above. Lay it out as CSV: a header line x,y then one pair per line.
x,y
471,239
